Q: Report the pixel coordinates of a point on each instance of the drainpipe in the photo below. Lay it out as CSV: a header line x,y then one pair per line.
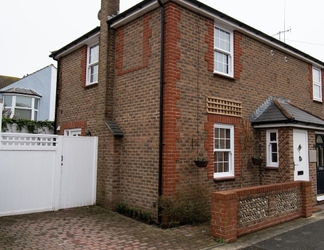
x,y
161,107
56,94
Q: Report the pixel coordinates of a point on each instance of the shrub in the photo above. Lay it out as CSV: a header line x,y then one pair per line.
x,y
186,207
134,213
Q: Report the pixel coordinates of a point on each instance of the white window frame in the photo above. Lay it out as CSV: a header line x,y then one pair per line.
x,y
271,163
91,65
229,54
13,106
230,173
72,132
317,83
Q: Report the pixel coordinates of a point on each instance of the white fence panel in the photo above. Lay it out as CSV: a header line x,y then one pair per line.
x,y
78,182
46,172
26,181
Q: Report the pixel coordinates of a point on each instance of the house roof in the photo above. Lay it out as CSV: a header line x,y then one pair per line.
x,y
196,6
7,80
77,43
21,91
280,111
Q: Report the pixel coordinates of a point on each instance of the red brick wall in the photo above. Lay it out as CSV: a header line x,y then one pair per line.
x,y
75,101
136,110
257,75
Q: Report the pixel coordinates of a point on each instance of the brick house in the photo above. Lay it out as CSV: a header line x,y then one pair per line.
x,y
166,81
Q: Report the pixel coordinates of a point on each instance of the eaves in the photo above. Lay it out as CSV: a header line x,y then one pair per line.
x,y
219,17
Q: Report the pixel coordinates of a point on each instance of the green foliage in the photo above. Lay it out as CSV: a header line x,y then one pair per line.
x,y
187,207
134,213
31,126
220,241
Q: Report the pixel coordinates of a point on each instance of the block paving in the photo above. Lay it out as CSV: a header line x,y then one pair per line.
x,y
95,227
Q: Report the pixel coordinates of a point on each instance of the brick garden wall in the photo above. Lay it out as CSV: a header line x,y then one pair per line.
x,y
242,211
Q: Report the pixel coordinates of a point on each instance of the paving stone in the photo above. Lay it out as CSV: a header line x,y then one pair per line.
x,y
96,228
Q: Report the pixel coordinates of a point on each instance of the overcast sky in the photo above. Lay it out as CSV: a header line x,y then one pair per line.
x,y
31,29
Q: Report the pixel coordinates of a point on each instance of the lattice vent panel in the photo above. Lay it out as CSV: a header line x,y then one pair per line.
x,y
285,202
253,209
223,107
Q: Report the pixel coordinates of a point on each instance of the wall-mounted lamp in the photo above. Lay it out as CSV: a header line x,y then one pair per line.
x,y
271,52
286,59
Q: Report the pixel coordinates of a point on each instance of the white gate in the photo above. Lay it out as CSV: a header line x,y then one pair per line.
x,y
46,172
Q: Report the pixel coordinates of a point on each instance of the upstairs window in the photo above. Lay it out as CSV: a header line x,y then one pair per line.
x,y
223,52
21,107
272,150
223,150
92,65
317,84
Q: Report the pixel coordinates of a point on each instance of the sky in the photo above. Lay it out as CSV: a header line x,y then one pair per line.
x,y
31,29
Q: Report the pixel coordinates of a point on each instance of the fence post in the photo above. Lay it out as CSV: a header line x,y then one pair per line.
x,y
224,210
307,206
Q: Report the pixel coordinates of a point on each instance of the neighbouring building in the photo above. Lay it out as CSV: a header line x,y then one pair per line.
x,y
33,96
7,80
167,81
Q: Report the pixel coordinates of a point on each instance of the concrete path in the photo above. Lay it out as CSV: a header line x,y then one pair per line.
x,y
96,228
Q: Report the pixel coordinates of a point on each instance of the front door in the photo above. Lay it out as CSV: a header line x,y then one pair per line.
x,y
320,163
301,169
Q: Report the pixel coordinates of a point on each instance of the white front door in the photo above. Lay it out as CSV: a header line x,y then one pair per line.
x,y
301,169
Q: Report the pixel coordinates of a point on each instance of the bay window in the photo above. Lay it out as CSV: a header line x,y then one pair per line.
x,y
21,107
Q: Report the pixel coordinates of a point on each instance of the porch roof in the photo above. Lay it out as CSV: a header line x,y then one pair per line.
x,y
280,111
21,91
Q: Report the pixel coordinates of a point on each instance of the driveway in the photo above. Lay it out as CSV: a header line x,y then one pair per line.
x,y
96,228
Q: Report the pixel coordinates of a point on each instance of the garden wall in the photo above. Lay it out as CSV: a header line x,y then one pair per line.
x,y
242,211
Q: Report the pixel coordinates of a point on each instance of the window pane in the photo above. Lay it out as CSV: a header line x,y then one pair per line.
x,y
273,136
36,103
317,91
94,73
22,101
316,75
274,157
319,139
273,147
35,115
222,40
23,114
221,62
7,100
217,133
221,162
93,57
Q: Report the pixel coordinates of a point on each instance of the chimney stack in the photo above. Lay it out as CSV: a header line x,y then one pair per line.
x,y
108,8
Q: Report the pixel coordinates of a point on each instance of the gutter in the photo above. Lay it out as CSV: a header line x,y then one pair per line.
x,y
161,108
56,97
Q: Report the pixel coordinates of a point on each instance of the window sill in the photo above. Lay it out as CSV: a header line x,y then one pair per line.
x,y
317,101
271,167
225,178
223,75
88,86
